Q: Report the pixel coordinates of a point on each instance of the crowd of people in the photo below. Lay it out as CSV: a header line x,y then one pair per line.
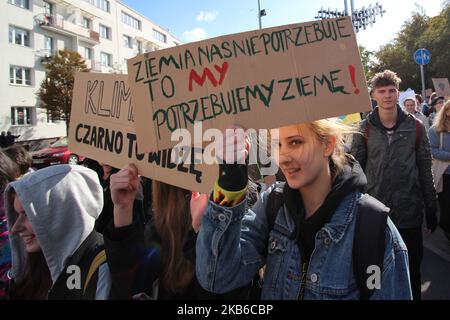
x,y
97,232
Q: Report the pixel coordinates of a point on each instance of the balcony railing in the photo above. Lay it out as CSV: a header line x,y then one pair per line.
x,y
58,22
44,54
93,65
94,35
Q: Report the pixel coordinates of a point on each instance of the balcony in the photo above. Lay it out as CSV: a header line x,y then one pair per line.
x,y
147,45
94,66
44,55
57,23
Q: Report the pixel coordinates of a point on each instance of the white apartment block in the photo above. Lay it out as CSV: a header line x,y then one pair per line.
x,y
105,32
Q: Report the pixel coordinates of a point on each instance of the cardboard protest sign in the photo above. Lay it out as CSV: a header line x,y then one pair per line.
x,y
441,86
258,79
101,128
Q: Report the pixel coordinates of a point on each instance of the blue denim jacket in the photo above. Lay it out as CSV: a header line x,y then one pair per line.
x,y
233,245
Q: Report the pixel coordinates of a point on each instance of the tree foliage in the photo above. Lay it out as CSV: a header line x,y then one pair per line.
x,y
55,92
367,59
420,31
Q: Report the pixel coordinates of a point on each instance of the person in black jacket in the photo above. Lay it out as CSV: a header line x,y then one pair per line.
x,y
3,141
10,139
141,203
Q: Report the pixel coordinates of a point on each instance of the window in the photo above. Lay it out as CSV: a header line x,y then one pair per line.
x,y
106,59
19,36
49,44
131,21
19,75
87,23
139,46
87,54
105,32
159,36
101,4
127,41
20,3
48,8
21,115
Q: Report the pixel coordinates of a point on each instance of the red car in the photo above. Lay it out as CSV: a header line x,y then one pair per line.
x,y
56,153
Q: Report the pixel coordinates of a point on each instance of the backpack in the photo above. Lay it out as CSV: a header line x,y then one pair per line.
x,y
89,264
99,259
369,238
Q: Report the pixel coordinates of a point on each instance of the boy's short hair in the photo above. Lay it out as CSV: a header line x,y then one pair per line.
x,y
385,78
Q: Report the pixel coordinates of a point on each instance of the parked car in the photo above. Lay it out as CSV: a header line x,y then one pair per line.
x,y
56,153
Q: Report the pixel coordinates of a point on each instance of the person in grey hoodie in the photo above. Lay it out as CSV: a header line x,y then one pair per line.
x,y
56,254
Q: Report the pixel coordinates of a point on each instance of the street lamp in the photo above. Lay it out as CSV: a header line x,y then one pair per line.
x,y
361,18
261,13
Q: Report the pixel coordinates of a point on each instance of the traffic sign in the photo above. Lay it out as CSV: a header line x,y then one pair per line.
x,y
422,56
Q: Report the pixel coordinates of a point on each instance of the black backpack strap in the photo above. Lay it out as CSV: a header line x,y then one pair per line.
x,y
369,241
92,275
274,202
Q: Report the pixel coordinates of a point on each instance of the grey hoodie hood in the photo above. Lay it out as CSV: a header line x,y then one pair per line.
x,y
62,203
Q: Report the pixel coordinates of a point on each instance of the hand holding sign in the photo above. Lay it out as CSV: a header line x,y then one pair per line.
x,y
124,186
236,145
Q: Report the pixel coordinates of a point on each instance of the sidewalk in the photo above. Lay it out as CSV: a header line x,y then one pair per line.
x,y
437,243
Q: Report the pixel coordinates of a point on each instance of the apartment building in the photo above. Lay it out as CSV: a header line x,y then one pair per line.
x,y
105,32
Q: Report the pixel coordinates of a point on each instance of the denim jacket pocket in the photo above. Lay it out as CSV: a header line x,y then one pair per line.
x,y
330,291
277,248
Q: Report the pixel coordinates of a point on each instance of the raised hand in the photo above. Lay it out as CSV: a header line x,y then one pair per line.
x,y
124,186
236,145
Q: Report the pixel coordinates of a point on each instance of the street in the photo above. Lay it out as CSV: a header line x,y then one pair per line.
x,y
436,267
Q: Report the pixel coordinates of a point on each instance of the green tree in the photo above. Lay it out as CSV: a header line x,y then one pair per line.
x,y
420,31
367,59
55,92
398,54
437,39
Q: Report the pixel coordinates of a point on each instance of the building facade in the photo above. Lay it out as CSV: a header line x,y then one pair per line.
x,y
104,32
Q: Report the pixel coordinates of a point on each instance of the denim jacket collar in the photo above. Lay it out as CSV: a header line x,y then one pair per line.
x,y
341,218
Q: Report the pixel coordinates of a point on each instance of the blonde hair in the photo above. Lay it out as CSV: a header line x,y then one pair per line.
x,y
439,120
325,129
